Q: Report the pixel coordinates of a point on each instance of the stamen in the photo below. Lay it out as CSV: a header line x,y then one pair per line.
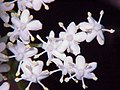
x,y
45,6
48,62
95,78
61,79
62,25
40,39
18,79
101,15
89,14
9,3
83,84
51,72
110,31
8,25
12,56
37,55
18,71
45,88
31,36
71,77
27,88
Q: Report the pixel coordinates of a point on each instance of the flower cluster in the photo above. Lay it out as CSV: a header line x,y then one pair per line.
x,y
56,48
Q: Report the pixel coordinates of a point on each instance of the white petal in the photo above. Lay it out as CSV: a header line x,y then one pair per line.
x,y
89,75
24,36
37,68
72,28
4,7
4,68
91,66
5,17
43,74
100,38
80,62
57,61
3,58
91,36
15,21
51,34
34,25
29,4
31,52
37,4
5,86
2,46
68,60
85,26
80,37
75,48
14,35
63,46
25,16
62,35
20,46
48,1
91,20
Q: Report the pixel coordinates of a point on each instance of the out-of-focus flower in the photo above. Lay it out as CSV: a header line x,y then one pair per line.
x,y
94,28
50,47
83,70
71,39
3,68
32,71
5,6
21,52
5,86
33,4
64,66
3,57
21,25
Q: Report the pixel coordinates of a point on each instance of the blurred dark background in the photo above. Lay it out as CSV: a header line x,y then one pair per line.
x,y
107,56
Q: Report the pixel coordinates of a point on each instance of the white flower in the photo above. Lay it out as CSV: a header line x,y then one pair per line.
x,y
3,57
3,68
50,47
5,6
32,71
33,4
21,52
22,26
64,66
83,70
94,29
71,39
5,86
38,3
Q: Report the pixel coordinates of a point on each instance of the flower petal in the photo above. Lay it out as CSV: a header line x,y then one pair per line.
x,y
25,16
5,86
20,47
15,21
67,61
58,62
64,45
100,38
5,17
75,48
43,74
28,4
72,28
48,1
62,35
37,5
4,68
2,46
5,7
3,58
80,62
91,66
91,36
80,37
34,25
31,52
51,34
91,20
89,75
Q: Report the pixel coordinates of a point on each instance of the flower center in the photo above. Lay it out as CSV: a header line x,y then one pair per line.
x,y
22,26
69,37
50,47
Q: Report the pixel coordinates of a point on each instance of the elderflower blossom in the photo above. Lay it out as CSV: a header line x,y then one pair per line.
x,y
32,72
71,38
22,24
64,66
5,86
83,70
50,47
94,28
21,52
5,6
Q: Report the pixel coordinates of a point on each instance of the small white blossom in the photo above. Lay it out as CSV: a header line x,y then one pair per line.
x,y
22,24
64,66
94,28
32,71
5,6
83,70
71,39
50,47
5,86
21,52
